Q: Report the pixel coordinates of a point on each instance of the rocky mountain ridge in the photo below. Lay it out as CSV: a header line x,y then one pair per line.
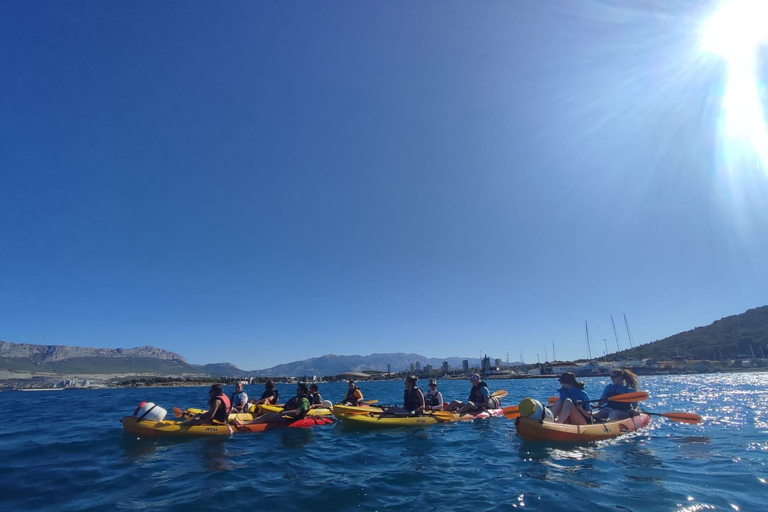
x,y
55,353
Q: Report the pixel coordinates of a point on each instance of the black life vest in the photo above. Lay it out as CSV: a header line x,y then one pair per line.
x,y
411,399
431,400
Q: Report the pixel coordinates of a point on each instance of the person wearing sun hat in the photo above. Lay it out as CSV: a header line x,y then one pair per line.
x,y
572,405
433,399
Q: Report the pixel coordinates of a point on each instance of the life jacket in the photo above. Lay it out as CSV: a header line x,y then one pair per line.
x,y
221,414
476,395
431,400
619,406
315,398
411,399
350,396
293,404
274,394
234,399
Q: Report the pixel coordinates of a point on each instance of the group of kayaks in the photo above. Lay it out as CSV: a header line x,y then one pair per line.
x,y
529,426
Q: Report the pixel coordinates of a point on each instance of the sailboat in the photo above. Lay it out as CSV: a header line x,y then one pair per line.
x,y
593,367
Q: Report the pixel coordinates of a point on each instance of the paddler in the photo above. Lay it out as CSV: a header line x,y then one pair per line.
x,y
433,399
294,409
573,405
622,381
354,396
218,408
270,395
239,398
480,398
413,400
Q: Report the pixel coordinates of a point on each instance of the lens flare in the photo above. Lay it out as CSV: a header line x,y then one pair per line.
x,y
735,32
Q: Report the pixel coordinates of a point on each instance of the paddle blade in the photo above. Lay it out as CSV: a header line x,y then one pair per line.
x,y
443,415
511,412
500,393
635,396
369,402
177,413
683,417
551,400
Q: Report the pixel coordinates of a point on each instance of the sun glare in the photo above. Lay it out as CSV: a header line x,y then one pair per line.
x,y
735,32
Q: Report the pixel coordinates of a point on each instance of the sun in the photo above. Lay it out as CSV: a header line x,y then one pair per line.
x,y
735,32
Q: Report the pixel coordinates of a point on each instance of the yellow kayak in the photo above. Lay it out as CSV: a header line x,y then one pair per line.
x,y
376,420
167,428
341,411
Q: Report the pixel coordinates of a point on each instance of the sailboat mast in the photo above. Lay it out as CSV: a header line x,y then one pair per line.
x,y
628,334
589,348
554,358
615,335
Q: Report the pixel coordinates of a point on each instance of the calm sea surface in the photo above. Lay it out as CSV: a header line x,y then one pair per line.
x,y
67,451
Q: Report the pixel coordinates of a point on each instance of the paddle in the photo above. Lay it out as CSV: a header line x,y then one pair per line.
x,y
682,417
511,412
499,393
178,413
635,396
443,415
370,402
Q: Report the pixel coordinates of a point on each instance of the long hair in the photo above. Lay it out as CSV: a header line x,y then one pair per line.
x,y
630,379
269,385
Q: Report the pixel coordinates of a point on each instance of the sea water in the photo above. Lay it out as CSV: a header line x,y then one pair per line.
x,y
64,451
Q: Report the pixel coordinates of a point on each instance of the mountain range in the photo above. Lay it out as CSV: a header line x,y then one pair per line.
x,y
730,337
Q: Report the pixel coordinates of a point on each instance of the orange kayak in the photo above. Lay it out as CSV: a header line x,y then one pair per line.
x,y
532,430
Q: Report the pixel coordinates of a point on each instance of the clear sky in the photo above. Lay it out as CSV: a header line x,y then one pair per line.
x,y
262,182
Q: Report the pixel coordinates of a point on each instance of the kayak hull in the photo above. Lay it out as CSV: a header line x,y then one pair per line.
x,y
306,422
532,431
167,428
144,428
382,421
341,411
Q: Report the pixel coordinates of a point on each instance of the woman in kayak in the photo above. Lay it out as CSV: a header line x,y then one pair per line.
x,y
354,396
218,408
573,404
413,400
433,399
622,381
294,409
480,398
270,395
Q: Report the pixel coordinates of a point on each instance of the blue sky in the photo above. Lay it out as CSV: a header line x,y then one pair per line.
x,y
264,182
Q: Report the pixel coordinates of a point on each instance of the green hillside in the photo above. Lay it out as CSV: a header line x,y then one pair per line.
x,y
728,338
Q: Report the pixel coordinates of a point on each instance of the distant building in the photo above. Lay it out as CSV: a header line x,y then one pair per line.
x,y
446,367
418,366
427,368
498,363
389,368
465,365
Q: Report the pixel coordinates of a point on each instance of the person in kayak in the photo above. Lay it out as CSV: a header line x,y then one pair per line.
x,y
239,398
295,408
413,400
354,396
433,399
480,398
218,408
315,398
622,381
572,405
270,395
